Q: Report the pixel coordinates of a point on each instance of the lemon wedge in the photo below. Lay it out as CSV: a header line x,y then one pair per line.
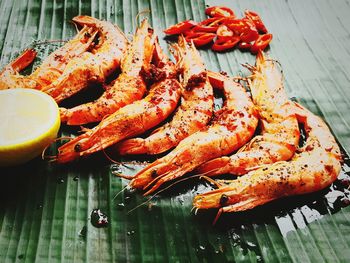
x,y
29,121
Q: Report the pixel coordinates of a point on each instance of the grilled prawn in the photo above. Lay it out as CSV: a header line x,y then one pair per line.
x,y
128,87
93,66
193,114
279,127
315,166
232,127
51,68
131,120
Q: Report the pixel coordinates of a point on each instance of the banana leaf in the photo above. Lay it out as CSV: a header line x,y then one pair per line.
x,y
48,212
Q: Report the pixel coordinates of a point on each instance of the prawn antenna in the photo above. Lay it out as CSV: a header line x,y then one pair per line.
x,y
48,42
185,179
218,216
166,188
143,203
279,65
160,191
249,67
110,158
146,11
121,191
123,163
210,180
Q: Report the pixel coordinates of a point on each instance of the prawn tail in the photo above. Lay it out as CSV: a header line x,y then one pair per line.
x,y
132,146
217,80
24,60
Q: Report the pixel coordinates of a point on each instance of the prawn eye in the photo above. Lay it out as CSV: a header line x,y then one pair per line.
x,y
223,199
77,147
154,173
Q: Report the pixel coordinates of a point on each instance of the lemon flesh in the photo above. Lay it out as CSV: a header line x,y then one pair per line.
x,y
29,122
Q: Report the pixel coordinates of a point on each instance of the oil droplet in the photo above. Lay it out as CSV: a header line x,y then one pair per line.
x,y
60,180
202,248
181,200
130,232
76,178
83,232
345,182
127,199
150,205
345,201
98,219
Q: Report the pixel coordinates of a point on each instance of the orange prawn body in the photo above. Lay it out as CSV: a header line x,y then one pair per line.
x,y
127,88
93,66
131,120
193,114
315,166
279,126
75,65
51,68
231,128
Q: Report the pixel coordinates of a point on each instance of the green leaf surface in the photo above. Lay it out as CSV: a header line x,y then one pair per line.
x,y
45,208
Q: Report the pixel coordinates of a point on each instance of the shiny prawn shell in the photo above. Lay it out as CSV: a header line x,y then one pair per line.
x,y
315,167
231,128
279,135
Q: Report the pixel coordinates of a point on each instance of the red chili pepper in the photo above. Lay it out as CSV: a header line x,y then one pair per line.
x,y
219,11
244,46
244,28
225,44
209,25
249,35
180,27
200,38
224,32
261,43
190,33
255,18
236,25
